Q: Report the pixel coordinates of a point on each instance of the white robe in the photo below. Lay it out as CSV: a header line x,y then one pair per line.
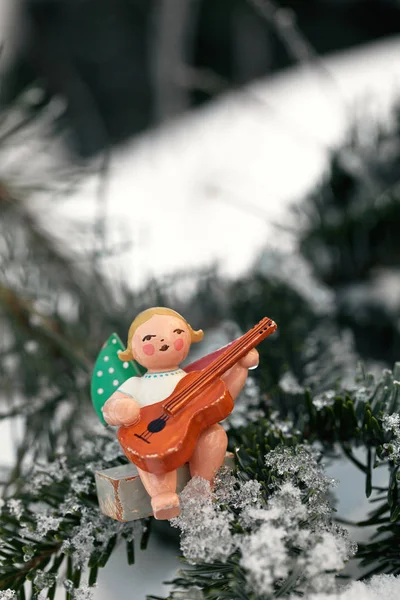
x,y
152,387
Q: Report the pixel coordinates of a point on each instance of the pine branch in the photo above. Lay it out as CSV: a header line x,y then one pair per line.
x,y
54,516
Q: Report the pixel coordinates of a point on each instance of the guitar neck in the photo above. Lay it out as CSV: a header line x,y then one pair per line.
x,y
222,364
240,348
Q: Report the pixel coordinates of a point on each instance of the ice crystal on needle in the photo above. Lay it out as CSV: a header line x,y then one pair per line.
x,y
83,593
44,580
300,465
7,595
45,523
45,475
241,495
391,424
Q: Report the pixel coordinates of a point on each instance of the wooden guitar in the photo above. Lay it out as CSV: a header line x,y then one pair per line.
x,y
165,435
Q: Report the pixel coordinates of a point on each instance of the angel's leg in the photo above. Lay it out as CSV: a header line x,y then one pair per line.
x,y
209,453
162,490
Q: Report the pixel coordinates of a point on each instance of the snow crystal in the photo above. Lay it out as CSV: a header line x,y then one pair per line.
x,y
380,587
29,553
286,427
82,543
112,450
44,580
87,448
46,523
266,551
83,593
80,483
109,450
15,507
391,424
299,463
7,595
68,585
228,490
45,475
70,505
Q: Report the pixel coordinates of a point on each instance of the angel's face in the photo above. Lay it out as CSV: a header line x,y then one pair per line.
x,y
161,343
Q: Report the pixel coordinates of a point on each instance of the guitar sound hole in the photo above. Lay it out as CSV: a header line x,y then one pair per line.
x,y
156,425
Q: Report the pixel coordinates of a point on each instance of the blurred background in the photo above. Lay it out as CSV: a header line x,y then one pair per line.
x,y
232,158
123,67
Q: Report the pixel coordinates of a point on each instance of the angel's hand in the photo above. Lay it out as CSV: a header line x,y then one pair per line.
x,y
250,360
121,409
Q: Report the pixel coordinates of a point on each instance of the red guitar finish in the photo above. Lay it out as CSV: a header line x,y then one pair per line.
x,y
165,435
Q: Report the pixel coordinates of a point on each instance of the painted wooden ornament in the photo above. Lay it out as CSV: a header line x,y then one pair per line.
x,y
169,416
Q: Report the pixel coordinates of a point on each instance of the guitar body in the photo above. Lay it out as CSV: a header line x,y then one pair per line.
x,y
160,442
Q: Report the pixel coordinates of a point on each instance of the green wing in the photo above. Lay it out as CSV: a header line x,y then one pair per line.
x,y
110,372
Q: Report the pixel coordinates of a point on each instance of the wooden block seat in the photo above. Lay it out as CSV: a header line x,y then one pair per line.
x,y
121,493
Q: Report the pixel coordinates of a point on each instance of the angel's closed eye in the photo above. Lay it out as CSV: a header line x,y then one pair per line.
x,y
148,337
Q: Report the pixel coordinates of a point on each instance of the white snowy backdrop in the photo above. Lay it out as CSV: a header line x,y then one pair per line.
x,y
211,187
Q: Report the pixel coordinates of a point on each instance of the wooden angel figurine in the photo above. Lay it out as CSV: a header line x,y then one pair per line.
x,y
167,417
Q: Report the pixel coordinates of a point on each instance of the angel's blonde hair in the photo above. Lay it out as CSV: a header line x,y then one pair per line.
x,y
127,354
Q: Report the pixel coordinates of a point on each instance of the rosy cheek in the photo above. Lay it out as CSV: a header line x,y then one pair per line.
x,y
178,344
148,349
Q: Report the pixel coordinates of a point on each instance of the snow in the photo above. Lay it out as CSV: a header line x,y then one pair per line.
x,y
290,518
380,587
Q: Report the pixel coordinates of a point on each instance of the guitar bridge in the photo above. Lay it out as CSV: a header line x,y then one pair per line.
x,y
142,438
